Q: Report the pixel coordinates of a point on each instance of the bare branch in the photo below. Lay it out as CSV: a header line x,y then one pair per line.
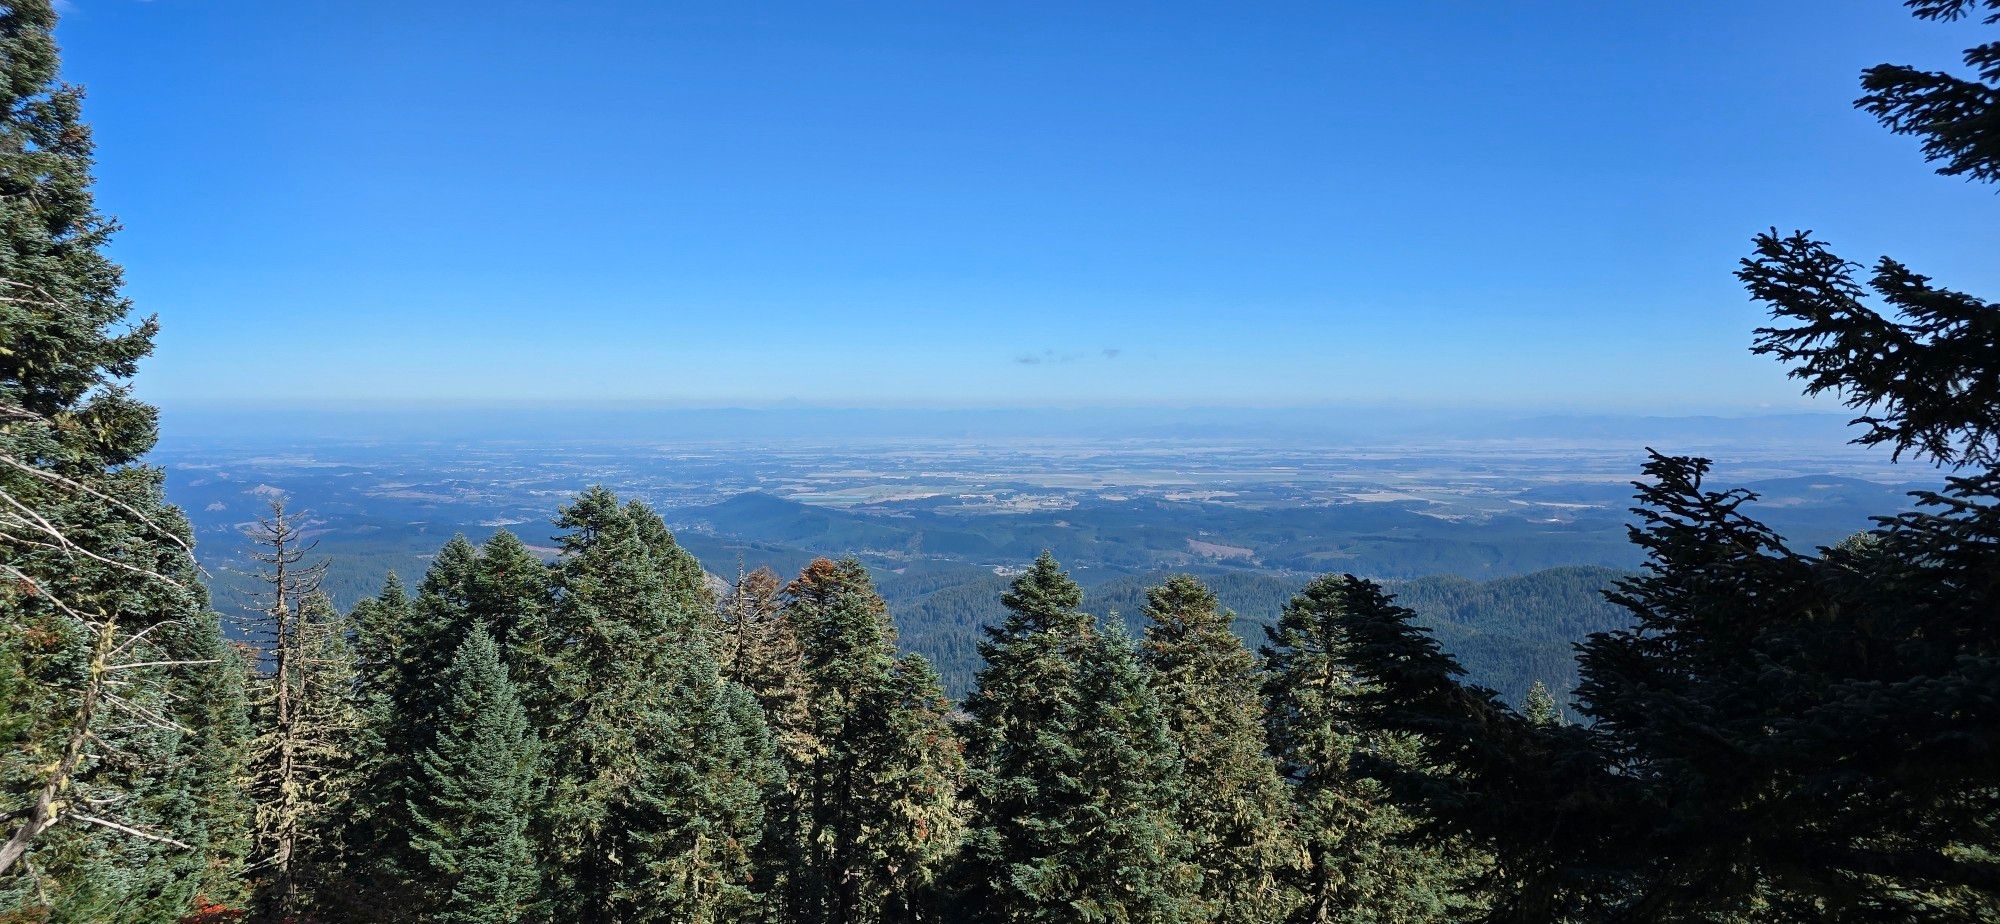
x,y
135,832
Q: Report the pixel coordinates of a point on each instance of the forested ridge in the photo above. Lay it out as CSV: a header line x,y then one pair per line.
x,y
1754,733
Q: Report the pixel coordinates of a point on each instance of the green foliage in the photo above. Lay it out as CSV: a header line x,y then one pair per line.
x,y
220,773
654,776
1540,707
873,804
1779,736
1953,115
470,812
1357,865
1230,802
1512,632
101,613
1072,770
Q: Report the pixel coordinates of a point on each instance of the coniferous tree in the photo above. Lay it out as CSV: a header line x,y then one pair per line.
x,y
1071,770
1540,706
377,831
920,763
655,774
510,593
1129,859
873,808
1781,736
308,718
220,769
97,577
405,651
759,650
1230,803
469,816
1356,868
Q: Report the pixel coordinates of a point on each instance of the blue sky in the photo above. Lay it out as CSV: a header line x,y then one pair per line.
x,y
1529,205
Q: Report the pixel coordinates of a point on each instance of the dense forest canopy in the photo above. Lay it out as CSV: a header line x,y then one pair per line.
x,y
1755,732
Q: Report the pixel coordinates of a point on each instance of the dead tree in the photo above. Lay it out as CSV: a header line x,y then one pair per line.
x,y
275,632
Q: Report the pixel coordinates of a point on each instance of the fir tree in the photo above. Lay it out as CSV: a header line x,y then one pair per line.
x,y
1356,868
512,596
1540,706
469,817
1230,803
1780,736
98,590
220,771
405,649
873,807
1071,770
656,772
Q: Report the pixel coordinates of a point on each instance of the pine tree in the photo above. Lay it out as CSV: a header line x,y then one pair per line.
x,y
1230,803
872,808
469,817
655,776
1356,867
98,578
1780,736
1071,770
1540,706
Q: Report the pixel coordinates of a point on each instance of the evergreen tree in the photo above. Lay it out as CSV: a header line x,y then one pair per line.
x,y
377,832
920,765
655,775
511,594
1781,736
1071,770
1230,803
405,651
873,807
469,817
220,770
98,578
1540,706
1356,867
759,650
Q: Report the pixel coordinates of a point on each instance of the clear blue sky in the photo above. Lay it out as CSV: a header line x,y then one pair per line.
x,y
1527,205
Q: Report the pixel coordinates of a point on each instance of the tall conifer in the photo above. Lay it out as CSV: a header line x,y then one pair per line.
x,y
873,807
655,773
469,815
1071,770
97,574
1230,803
1356,867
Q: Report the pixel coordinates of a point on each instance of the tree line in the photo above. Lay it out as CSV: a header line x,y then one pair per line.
x,y
1780,735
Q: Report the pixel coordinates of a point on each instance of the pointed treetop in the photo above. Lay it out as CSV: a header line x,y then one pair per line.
x,y
393,593
1539,707
451,571
1183,605
1043,597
